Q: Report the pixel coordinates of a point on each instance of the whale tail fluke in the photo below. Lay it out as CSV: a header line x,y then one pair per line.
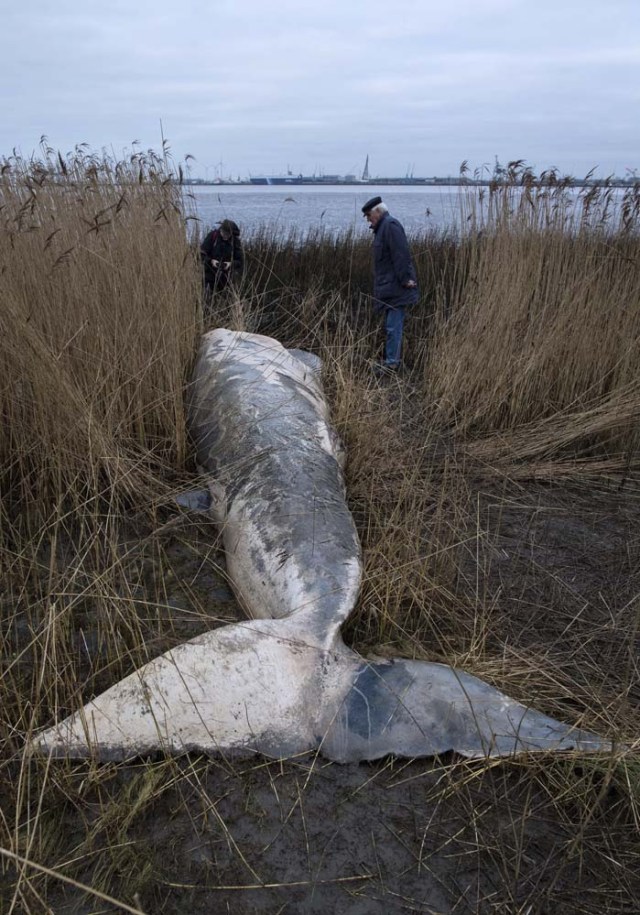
x,y
419,708
265,686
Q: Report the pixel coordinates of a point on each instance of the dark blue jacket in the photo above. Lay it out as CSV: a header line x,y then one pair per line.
x,y
392,265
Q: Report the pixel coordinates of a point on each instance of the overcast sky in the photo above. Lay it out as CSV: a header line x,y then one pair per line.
x,y
260,86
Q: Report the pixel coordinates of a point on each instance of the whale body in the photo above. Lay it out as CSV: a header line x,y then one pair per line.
x,y
283,682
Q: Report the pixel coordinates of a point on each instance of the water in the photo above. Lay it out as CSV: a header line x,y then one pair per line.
x,y
306,208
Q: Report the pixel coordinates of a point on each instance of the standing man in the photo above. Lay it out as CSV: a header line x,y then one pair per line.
x,y
395,286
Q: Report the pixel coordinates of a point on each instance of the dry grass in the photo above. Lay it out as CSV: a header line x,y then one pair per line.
x,y
496,492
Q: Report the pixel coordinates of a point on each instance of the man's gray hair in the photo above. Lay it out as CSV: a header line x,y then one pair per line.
x,y
380,208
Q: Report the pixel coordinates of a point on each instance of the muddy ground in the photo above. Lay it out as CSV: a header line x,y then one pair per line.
x,y
557,566
434,836
312,837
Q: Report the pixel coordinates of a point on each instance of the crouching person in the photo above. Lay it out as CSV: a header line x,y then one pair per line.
x,y
222,258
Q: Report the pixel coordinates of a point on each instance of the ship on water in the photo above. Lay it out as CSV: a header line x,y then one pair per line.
x,y
331,180
290,178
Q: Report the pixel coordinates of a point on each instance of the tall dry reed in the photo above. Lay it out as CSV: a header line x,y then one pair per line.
x,y
99,318
521,360
544,320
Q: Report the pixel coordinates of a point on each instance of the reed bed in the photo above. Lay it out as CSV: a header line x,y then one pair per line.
x,y
495,488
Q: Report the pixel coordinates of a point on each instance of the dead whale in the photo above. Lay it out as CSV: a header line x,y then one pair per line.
x,y
284,682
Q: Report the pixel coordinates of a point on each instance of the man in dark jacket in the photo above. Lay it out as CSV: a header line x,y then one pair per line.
x,y
395,286
222,257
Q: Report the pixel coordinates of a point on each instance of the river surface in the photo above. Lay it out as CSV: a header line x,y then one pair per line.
x,y
335,209
303,209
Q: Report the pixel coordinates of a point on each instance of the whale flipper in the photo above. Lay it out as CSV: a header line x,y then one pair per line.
x,y
194,500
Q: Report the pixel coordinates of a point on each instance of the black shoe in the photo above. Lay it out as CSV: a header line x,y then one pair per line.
x,y
383,370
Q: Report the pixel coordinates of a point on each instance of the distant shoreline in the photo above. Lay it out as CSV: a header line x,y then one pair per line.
x,y
408,182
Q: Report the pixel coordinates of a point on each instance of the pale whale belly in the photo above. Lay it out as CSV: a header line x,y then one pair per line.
x,y
289,538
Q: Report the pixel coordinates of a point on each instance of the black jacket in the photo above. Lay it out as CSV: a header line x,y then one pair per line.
x,y
392,265
215,247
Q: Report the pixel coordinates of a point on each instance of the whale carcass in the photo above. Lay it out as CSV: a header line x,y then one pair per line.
x,y
284,682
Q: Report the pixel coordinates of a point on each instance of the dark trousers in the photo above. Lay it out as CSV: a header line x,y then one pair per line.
x,y
394,327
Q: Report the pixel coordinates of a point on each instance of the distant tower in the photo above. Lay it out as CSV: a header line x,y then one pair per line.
x,y
365,170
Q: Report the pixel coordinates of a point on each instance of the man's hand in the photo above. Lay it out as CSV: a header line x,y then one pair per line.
x,y
410,284
226,265
215,262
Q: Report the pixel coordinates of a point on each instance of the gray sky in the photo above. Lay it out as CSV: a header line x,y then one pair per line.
x,y
318,86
